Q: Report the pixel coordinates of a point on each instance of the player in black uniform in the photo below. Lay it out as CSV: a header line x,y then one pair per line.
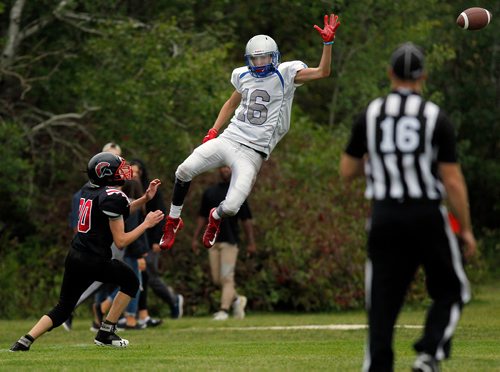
x,y
103,209
408,148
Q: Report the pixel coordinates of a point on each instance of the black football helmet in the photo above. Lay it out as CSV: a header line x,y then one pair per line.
x,y
107,169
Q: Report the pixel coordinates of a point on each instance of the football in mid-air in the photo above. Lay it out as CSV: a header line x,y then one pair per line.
x,y
474,18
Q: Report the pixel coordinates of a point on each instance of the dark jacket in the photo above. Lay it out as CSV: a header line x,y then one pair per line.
x,y
153,234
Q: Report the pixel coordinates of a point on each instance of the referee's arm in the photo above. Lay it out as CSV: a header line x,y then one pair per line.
x,y
350,167
456,189
453,181
352,160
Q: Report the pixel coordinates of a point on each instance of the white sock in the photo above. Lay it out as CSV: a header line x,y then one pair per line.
x,y
145,320
216,215
175,211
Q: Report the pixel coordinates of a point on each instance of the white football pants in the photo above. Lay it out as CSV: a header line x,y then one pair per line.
x,y
244,162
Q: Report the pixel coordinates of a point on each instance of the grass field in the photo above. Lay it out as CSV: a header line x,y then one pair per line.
x,y
200,344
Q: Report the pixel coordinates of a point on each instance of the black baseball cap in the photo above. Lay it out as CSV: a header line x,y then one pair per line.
x,y
407,62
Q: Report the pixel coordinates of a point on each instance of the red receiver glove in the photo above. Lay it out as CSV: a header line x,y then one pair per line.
x,y
211,134
328,32
454,224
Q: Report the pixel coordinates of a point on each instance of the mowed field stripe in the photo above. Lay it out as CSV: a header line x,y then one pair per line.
x,y
326,327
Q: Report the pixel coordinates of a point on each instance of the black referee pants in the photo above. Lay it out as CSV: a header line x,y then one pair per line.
x,y
401,238
80,271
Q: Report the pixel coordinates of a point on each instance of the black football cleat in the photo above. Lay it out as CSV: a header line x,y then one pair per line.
x,y
18,346
106,336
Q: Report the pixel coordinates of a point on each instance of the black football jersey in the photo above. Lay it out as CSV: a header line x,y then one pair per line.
x,y
97,206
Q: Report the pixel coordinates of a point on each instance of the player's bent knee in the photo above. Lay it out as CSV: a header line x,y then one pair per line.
x,y
130,287
59,314
184,173
230,209
127,278
225,280
227,274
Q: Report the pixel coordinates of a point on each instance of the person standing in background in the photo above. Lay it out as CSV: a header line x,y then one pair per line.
x,y
224,254
151,276
134,256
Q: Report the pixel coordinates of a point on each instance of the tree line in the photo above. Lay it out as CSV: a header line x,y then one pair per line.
x,y
152,75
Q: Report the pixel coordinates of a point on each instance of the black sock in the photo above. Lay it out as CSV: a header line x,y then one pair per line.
x,y
107,326
26,341
181,189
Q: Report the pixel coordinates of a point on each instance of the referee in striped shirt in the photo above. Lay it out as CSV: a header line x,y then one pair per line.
x,y
406,148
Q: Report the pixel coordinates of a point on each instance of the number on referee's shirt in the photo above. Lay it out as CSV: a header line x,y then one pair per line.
x,y
407,138
253,112
84,215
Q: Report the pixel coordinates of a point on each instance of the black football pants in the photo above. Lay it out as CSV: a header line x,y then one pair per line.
x,y
402,238
80,271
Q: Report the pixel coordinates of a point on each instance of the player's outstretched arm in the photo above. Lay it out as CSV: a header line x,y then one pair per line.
x,y
225,114
148,195
122,238
328,35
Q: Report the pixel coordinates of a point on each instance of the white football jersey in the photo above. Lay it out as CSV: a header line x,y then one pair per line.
x,y
263,116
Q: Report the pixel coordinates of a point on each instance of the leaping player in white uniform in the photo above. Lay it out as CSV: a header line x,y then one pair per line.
x,y
261,104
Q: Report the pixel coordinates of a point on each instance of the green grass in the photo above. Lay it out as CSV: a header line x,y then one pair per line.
x,y
200,344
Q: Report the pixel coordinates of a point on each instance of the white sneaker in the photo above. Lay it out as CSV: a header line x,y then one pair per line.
x,y
239,307
425,363
220,315
178,309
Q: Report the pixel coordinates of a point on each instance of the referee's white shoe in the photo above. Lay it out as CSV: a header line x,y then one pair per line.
x,y
425,363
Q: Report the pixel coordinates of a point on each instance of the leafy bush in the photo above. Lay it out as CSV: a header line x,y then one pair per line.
x,y
17,191
30,277
159,86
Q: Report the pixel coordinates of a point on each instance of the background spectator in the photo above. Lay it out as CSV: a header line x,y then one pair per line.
x,y
224,254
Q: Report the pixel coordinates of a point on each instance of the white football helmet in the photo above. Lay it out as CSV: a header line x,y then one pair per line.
x,y
262,46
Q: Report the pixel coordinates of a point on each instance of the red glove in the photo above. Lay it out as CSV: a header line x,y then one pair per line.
x,y
328,32
454,224
211,134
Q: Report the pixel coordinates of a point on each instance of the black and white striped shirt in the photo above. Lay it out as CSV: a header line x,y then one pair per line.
x,y
405,137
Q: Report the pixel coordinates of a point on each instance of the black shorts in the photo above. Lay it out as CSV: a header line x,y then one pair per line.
x,y
80,271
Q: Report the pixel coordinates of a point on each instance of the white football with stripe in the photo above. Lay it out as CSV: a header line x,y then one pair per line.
x,y
474,18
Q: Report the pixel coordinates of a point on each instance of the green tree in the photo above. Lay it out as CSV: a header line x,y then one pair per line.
x,y
152,75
